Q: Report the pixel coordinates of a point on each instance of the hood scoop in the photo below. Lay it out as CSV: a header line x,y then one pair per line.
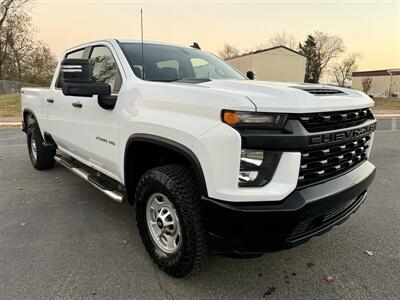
x,y
320,91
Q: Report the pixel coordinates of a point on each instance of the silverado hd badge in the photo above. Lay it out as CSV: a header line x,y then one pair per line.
x,y
105,140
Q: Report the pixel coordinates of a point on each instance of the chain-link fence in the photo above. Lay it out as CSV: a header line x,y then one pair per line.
x,y
10,105
13,87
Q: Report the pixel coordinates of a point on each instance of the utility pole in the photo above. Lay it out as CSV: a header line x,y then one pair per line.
x,y
390,83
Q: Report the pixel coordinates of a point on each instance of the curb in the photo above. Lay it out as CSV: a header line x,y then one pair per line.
x,y
10,125
391,124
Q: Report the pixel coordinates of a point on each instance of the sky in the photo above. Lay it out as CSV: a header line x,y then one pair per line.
x,y
371,28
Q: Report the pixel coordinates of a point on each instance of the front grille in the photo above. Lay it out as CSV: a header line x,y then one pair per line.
x,y
326,162
325,121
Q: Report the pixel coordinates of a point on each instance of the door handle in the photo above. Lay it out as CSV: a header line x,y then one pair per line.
x,y
77,104
50,100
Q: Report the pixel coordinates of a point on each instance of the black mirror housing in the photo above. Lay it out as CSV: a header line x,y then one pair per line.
x,y
77,79
107,102
86,89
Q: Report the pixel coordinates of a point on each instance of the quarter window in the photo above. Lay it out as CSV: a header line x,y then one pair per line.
x,y
104,68
75,54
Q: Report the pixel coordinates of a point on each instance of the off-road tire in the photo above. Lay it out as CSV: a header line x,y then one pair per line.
x,y
44,155
178,183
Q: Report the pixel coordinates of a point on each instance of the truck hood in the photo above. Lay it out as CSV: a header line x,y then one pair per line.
x,y
293,97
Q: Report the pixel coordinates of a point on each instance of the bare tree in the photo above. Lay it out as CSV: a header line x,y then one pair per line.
x,y
228,51
40,68
18,40
22,57
320,48
280,38
343,71
8,7
366,84
328,47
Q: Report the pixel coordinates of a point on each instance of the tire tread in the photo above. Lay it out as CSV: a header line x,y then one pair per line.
x,y
181,183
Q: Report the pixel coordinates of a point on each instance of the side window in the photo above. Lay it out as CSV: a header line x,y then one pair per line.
x,y
75,54
104,68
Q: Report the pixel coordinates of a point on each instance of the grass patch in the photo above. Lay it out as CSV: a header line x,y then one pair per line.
x,y
387,104
10,105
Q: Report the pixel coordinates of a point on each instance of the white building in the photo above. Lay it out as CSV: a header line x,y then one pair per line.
x,y
383,82
274,64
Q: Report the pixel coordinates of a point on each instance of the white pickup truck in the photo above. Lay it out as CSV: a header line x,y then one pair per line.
x,y
209,158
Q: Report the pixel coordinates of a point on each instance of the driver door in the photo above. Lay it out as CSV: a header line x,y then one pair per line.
x,y
96,134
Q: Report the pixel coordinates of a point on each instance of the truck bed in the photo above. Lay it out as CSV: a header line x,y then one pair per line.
x,y
33,100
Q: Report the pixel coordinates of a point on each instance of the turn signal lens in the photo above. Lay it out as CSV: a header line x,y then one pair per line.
x,y
231,118
254,119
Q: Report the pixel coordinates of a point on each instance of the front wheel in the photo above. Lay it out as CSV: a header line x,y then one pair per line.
x,y
169,218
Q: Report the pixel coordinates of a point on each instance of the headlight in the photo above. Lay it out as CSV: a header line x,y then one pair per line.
x,y
254,119
257,167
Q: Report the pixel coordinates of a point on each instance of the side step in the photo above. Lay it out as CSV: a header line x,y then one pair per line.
x,y
106,189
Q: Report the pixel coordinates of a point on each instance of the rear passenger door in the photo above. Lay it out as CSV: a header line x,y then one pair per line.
x,y
96,129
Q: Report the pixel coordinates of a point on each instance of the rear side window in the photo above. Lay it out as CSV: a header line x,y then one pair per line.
x,y
74,54
104,68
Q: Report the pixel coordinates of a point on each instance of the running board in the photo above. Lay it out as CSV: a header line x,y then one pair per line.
x,y
109,191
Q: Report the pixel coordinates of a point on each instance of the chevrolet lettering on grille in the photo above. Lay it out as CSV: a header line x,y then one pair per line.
x,y
342,135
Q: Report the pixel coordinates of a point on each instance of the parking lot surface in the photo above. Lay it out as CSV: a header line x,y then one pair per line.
x,y
61,238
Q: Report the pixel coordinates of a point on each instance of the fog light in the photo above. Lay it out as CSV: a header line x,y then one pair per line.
x,y
247,176
257,167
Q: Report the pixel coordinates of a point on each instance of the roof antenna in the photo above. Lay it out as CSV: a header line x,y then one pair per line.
x,y
141,28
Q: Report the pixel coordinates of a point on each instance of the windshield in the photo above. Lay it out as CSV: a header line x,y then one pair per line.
x,y
170,63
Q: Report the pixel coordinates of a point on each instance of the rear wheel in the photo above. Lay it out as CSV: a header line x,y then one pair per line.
x,y
42,157
169,218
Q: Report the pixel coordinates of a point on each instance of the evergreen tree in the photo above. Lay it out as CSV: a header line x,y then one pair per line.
x,y
309,50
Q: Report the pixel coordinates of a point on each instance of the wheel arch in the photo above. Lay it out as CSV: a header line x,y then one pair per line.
x,y
136,141
28,117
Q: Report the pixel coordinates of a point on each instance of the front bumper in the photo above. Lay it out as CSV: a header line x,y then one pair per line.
x,y
254,228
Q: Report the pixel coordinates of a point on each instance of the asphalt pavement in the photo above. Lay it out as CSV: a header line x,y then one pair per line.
x,y
60,238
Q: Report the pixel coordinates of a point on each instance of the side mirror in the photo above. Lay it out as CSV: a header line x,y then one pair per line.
x,y
77,79
251,75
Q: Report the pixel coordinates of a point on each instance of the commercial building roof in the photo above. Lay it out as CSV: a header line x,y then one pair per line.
x,y
265,50
377,73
